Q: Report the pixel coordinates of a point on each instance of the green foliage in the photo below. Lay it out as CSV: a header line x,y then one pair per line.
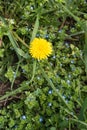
x,y
51,94
10,74
1,52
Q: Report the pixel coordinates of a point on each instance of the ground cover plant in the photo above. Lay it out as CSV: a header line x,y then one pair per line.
x,y
43,65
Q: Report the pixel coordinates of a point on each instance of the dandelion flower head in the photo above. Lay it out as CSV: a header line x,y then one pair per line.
x,y
40,48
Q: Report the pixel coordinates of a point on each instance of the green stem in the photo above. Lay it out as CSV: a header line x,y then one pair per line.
x,y
15,75
20,40
78,121
53,87
75,34
34,68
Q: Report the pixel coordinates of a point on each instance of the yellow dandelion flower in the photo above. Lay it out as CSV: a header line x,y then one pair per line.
x,y
40,48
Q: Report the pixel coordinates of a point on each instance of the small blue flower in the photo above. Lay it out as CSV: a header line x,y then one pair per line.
x,y
29,29
37,35
60,31
15,126
73,69
27,83
68,81
61,65
66,101
81,54
31,7
54,57
51,64
74,55
14,74
38,77
41,119
69,76
50,92
11,48
46,36
66,118
24,117
23,71
72,61
67,45
26,28
49,104
64,97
